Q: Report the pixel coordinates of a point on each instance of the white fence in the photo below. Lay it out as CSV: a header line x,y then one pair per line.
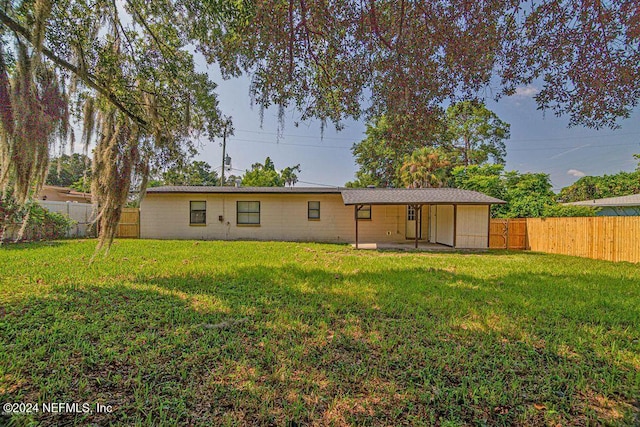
x,y
82,214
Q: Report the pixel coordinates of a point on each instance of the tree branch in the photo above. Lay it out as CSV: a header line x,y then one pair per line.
x,y
374,24
87,78
310,51
291,36
146,27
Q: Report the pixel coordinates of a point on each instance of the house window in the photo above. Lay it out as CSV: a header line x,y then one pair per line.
x,y
364,212
248,213
198,212
411,213
313,211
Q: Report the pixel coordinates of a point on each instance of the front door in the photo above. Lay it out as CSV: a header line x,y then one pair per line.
x,y
412,217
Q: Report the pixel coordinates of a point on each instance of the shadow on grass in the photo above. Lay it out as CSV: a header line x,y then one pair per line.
x,y
599,298
306,345
31,246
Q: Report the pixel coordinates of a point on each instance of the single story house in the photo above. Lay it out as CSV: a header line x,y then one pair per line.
x,y
614,206
447,216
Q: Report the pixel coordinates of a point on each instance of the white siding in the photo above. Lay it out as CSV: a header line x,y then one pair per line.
x,y
282,217
472,226
425,222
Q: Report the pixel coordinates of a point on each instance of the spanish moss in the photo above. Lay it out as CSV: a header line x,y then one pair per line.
x,y
35,112
115,159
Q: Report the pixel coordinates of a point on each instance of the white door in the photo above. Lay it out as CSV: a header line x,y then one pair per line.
x,y
433,210
444,226
411,224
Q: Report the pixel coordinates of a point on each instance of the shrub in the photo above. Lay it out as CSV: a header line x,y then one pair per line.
x,y
558,210
41,223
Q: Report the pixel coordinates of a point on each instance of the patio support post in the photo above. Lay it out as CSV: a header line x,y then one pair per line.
x,y
356,208
455,225
418,218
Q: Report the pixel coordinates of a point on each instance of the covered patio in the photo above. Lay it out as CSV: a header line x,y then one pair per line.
x,y
454,218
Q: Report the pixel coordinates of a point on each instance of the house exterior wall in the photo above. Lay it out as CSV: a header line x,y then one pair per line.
x,y
425,222
285,217
472,226
282,217
444,224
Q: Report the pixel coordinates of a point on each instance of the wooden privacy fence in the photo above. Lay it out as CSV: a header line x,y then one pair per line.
x,y
129,225
508,233
610,238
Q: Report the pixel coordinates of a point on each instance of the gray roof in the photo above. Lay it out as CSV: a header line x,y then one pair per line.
x,y
355,196
234,190
405,196
632,200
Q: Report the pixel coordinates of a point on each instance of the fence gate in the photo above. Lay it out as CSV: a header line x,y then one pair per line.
x,y
508,233
129,225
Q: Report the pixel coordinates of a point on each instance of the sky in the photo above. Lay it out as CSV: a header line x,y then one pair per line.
x,y
540,141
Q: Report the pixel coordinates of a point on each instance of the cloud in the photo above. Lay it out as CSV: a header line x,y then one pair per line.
x,y
571,150
575,172
526,91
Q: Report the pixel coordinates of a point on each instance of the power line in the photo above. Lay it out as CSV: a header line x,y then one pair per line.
x,y
560,138
293,136
317,183
508,149
571,147
304,182
291,143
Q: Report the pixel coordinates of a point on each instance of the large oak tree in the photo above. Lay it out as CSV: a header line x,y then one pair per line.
x,y
124,69
332,58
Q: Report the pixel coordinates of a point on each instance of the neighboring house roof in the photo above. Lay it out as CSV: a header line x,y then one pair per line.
x,y
407,196
234,190
631,200
356,196
63,194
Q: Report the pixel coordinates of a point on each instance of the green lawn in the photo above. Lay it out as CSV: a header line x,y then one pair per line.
x,y
249,333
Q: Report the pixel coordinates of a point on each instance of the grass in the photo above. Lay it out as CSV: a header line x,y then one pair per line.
x,y
249,333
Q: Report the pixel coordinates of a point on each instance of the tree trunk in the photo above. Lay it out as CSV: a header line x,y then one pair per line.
x,y
466,150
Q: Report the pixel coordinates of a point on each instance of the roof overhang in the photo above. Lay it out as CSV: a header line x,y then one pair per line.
x,y
241,190
416,196
629,201
353,196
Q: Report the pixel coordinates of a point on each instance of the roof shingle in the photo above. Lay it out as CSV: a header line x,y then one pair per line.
x,y
631,200
353,196
404,196
232,190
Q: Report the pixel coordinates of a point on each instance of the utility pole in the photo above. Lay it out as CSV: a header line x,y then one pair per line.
x,y
224,153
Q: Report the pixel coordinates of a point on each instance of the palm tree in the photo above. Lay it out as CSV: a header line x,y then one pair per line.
x,y
289,175
426,167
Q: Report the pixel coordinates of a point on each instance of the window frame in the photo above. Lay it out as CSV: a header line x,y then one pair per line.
x,y
310,209
411,213
362,209
192,211
248,224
